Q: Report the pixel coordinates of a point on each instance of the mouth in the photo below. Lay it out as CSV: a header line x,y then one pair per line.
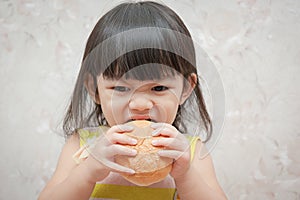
x,y
140,118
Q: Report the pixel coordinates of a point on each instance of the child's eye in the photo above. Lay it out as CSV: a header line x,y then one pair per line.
x,y
121,88
159,88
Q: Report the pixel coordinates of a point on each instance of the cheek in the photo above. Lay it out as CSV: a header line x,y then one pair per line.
x,y
173,97
167,109
114,108
172,106
175,94
118,103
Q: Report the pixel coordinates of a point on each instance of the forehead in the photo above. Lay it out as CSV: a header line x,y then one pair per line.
x,y
148,71
166,80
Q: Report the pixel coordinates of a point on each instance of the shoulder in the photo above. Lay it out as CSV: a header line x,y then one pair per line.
x,y
193,140
71,146
88,135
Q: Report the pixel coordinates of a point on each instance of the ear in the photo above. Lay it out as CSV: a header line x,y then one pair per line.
x,y
91,86
188,87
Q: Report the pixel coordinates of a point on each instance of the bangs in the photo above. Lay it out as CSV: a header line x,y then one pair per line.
x,y
117,55
146,64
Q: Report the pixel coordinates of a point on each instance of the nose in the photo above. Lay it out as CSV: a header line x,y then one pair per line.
x,y
140,102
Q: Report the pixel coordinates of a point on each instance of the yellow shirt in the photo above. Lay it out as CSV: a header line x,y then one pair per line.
x,y
132,192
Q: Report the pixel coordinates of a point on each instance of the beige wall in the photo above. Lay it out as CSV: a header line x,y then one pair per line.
x,y
254,44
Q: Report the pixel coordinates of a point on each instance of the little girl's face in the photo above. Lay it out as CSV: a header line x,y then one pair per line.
x,y
124,100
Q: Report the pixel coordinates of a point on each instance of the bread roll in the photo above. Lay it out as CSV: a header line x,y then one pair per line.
x,y
149,166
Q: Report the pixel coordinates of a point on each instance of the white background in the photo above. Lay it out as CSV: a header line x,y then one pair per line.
x,y
254,44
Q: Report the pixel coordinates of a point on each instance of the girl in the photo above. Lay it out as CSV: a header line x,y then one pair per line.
x,y
138,64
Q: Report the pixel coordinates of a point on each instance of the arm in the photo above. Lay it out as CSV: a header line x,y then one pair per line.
x,y
196,179
200,181
72,181
67,181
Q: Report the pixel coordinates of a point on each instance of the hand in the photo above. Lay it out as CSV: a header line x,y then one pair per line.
x,y
177,147
110,144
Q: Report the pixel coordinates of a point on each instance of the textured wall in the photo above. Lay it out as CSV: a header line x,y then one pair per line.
x,y
254,44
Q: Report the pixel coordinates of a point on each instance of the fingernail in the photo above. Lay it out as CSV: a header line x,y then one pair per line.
x,y
160,153
133,152
154,142
131,171
155,125
133,141
155,132
126,127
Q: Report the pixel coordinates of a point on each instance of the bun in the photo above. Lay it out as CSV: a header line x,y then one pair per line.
x,y
149,166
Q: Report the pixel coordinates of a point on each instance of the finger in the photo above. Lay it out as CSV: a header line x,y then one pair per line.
x,y
164,130
108,153
171,143
121,128
117,138
158,125
171,154
117,149
115,135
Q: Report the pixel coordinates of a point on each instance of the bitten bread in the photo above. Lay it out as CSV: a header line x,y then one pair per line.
x,y
148,165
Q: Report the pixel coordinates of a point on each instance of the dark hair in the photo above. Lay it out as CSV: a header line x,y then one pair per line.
x,y
128,36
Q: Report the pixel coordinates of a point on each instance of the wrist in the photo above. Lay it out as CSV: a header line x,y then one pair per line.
x,y
93,170
181,179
